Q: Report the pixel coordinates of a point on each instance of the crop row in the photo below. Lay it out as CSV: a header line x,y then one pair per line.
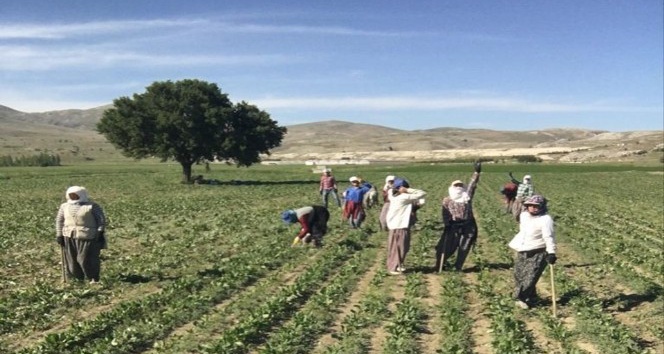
x,y
597,324
179,302
223,315
300,334
353,336
251,329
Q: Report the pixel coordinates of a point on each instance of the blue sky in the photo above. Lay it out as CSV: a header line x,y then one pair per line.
x,y
506,65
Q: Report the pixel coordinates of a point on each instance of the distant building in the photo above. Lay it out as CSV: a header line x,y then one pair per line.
x,y
342,161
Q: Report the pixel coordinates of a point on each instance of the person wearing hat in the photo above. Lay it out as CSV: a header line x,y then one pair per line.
x,y
403,200
387,188
328,185
79,230
313,221
535,245
460,232
354,196
524,190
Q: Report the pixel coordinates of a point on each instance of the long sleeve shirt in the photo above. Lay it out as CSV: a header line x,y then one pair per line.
x,y
303,218
356,194
401,205
97,213
525,190
458,211
327,182
535,232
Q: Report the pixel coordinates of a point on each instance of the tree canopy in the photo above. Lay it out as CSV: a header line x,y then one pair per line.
x,y
189,121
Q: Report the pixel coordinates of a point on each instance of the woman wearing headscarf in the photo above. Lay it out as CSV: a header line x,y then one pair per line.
x,y
382,219
313,221
524,190
535,245
79,227
460,232
402,201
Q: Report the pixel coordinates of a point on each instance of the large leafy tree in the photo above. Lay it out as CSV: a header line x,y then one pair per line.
x,y
189,121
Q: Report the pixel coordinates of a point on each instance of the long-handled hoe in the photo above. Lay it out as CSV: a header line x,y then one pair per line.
x,y
62,256
442,255
553,291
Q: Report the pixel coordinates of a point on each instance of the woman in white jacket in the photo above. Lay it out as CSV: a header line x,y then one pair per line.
x,y
536,246
402,200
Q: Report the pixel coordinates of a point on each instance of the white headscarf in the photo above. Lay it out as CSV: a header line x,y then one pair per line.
x,y
458,194
387,182
80,191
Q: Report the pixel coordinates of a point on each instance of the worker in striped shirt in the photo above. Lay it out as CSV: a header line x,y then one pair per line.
x,y
328,185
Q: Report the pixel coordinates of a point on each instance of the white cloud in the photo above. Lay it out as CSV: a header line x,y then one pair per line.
x,y
70,30
16,58
59,30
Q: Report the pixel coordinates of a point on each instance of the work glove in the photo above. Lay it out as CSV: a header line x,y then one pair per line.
x,y
60,240
478,167
296,241
551,258
320,192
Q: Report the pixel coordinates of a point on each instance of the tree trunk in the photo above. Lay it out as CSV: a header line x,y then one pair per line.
x,y
186,172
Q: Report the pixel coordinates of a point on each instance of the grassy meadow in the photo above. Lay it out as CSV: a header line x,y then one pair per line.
x,y
209,268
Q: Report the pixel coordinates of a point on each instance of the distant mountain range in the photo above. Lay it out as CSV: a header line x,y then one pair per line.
x,y
58,130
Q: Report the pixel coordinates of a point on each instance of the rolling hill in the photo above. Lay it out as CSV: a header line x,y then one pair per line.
x,y
71,134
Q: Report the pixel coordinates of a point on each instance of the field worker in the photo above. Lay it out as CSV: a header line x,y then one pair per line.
x,y
328,185
399,214
525,189
387,188
313,221
460,232
535,245
79,229
370,198
509,194
354,196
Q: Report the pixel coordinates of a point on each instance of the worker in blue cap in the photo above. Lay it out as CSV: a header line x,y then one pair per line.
x,y
400,216
313,221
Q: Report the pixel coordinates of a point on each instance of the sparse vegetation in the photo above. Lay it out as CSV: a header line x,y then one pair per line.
x,y
41,160
527,158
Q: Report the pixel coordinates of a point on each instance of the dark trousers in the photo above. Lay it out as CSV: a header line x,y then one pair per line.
x,y
457,237
318,223
528,267
82,258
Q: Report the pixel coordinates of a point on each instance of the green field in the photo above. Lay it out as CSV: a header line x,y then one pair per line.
x,y
209,268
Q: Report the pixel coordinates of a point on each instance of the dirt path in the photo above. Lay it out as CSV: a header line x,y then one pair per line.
x,y
355,298
431,337
481,330
396,286
543,343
